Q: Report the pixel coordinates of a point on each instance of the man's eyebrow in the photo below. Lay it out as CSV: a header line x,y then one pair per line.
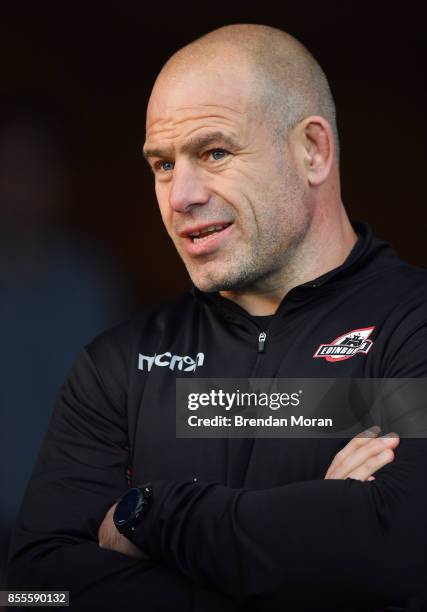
x,y
194,143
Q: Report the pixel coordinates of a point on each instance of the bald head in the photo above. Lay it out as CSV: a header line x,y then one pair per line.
x,y
286,82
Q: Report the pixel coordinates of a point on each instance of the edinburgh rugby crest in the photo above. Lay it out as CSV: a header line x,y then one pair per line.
x,y
347,345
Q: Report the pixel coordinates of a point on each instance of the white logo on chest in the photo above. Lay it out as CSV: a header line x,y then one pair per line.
x,y
173,362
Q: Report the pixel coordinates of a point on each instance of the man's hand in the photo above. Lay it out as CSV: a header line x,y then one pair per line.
x,y
363,456
111,539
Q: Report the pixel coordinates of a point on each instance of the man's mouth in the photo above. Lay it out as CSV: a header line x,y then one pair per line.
x,y
205,239
203,234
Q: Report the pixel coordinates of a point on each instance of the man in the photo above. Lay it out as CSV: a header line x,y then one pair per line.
x,y
241,137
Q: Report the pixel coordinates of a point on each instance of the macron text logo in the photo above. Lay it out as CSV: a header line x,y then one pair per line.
x,y
173,362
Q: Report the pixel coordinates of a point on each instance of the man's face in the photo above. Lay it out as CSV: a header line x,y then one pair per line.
x,y
232,201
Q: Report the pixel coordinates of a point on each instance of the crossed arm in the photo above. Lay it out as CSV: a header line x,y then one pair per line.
x,y
274,548
347,539
364,455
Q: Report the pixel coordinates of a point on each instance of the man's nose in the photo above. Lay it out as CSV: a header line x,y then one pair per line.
x,y
188,188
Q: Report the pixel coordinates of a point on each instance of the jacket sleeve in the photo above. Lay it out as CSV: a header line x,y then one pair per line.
x,y
320,542
79,474
323,542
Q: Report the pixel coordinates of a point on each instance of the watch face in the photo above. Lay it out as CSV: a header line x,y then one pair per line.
x,y
126,506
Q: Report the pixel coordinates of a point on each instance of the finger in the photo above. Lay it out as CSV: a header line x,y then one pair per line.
x,y
363,454
358,441
374,464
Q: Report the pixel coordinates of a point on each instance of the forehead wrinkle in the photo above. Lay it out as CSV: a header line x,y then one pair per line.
x,y
169,128
177,121
196,142
208,125
211,105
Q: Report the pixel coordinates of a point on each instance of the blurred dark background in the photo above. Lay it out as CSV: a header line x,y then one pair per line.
x,y
81,240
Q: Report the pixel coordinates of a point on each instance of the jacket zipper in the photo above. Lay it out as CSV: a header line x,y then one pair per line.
x,y
261,341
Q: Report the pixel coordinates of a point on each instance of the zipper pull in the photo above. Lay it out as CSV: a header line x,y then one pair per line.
x,y
261,342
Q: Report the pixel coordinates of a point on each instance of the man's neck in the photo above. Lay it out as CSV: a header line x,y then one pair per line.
x,y
309,263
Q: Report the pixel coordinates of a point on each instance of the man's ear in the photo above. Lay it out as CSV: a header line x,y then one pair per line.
x,y
318,148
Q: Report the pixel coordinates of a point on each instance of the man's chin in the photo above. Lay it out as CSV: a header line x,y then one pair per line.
x,y
210,284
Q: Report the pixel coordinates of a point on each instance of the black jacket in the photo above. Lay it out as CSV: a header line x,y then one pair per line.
x,y
260,528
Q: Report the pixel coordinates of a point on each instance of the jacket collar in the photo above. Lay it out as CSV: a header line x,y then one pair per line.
x,y
368,256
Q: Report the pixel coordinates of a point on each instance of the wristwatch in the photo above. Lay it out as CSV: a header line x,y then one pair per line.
x,y
131,509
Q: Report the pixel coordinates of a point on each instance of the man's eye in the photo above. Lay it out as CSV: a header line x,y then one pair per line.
x,y
164,166
217,154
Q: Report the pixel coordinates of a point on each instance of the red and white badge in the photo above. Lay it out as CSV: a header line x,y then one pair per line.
x,y
349,344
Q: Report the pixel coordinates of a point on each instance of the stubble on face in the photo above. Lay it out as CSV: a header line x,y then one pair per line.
x,y
268,204
271,224
268,252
